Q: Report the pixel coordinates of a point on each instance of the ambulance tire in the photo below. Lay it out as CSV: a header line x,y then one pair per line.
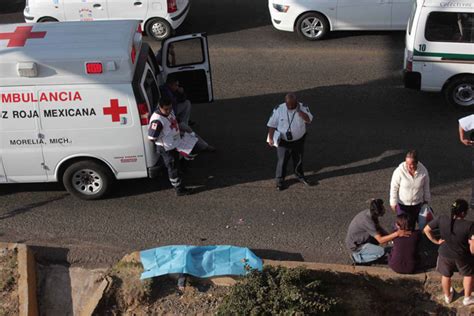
x,y
47,19
158,29
312,26
88,180
459,92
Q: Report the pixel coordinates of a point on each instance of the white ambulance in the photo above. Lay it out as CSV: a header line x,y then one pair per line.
x,y
76,97
439,50
159,18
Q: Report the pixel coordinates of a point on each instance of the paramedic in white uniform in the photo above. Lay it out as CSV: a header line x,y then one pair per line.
x,y
466,124
164,131
290,120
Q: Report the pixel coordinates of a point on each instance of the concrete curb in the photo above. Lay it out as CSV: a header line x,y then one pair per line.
x,y
96,297
27,282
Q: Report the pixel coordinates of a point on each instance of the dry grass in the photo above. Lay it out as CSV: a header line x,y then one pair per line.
x,y
9,305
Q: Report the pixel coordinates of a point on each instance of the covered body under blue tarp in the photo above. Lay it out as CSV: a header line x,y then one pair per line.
x,y
199,261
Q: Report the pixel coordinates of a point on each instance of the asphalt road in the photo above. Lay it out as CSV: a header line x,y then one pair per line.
x,y
364,122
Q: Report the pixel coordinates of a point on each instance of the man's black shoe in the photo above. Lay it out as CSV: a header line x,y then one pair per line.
x,y
280,187
182,191
191,123
304,181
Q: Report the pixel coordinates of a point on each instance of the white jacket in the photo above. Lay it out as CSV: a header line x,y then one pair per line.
x,y
408,190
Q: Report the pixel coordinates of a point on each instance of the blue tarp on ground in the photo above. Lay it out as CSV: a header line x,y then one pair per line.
x,y
199,261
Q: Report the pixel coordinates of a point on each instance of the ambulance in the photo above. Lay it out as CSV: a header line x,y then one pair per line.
x,y
159,18
439,50
76,97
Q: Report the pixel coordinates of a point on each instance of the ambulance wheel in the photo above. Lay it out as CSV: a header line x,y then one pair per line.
x,y
87,180
47,19
460,92
312,26
159,29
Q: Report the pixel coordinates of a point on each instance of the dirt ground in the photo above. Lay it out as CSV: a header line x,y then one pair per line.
x,y
357,294
8,283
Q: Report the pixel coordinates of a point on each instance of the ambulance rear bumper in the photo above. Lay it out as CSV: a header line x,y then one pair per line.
x,y
412,80
28,18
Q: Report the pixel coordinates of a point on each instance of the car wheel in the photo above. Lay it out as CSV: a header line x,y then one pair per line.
x,y
312,26
88,180
159,29
460,92
47,19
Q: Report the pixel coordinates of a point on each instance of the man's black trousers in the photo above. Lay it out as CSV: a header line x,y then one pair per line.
x,y
171,160
285,150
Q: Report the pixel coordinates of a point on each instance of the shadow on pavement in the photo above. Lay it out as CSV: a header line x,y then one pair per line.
x,y
271,254
12,6
224,16
29,207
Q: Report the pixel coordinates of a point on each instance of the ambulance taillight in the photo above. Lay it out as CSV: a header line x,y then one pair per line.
x,y
409,61
144,113
172,7
94,68
133,54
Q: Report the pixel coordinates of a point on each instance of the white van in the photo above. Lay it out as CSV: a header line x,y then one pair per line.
x,y
313,19
439,50
159,18
76,97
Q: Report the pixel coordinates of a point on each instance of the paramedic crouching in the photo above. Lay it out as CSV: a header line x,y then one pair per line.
x,y
164,131
287,132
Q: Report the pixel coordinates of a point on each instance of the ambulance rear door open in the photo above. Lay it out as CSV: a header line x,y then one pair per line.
x,y
147,94
190,65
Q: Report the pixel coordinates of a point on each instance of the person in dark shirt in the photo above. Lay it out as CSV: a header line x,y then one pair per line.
x,y
456,249
402,258
365,234
181,105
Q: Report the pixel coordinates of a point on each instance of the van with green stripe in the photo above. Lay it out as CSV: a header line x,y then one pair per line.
x,y
439,49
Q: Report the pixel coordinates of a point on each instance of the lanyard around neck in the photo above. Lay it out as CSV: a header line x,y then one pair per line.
x,y
292,118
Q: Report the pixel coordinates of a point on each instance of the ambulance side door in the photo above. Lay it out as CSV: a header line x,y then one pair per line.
x,y
20,137
187,58
3,177
401,10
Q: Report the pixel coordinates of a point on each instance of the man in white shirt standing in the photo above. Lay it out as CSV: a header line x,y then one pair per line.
x,y
410,187
288,122
466,124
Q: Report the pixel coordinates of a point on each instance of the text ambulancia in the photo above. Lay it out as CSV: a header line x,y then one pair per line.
x,y
75,102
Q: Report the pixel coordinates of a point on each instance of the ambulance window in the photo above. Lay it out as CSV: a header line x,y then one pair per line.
x,y
450,27
412,18
151,89
187,52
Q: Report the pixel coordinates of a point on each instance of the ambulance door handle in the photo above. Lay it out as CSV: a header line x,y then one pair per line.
x,y
97,5
138,3
40,136
186,67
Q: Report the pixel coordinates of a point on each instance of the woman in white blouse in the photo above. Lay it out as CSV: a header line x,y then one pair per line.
x,y
410,187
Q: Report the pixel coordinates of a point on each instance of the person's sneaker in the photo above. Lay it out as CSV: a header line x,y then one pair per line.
x,y
468,301
449,299
181,191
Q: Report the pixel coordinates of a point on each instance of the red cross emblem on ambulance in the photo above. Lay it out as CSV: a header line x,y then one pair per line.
x,y
21,34
115,110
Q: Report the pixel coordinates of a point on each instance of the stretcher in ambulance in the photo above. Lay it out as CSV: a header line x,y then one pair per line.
x,y
76,98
